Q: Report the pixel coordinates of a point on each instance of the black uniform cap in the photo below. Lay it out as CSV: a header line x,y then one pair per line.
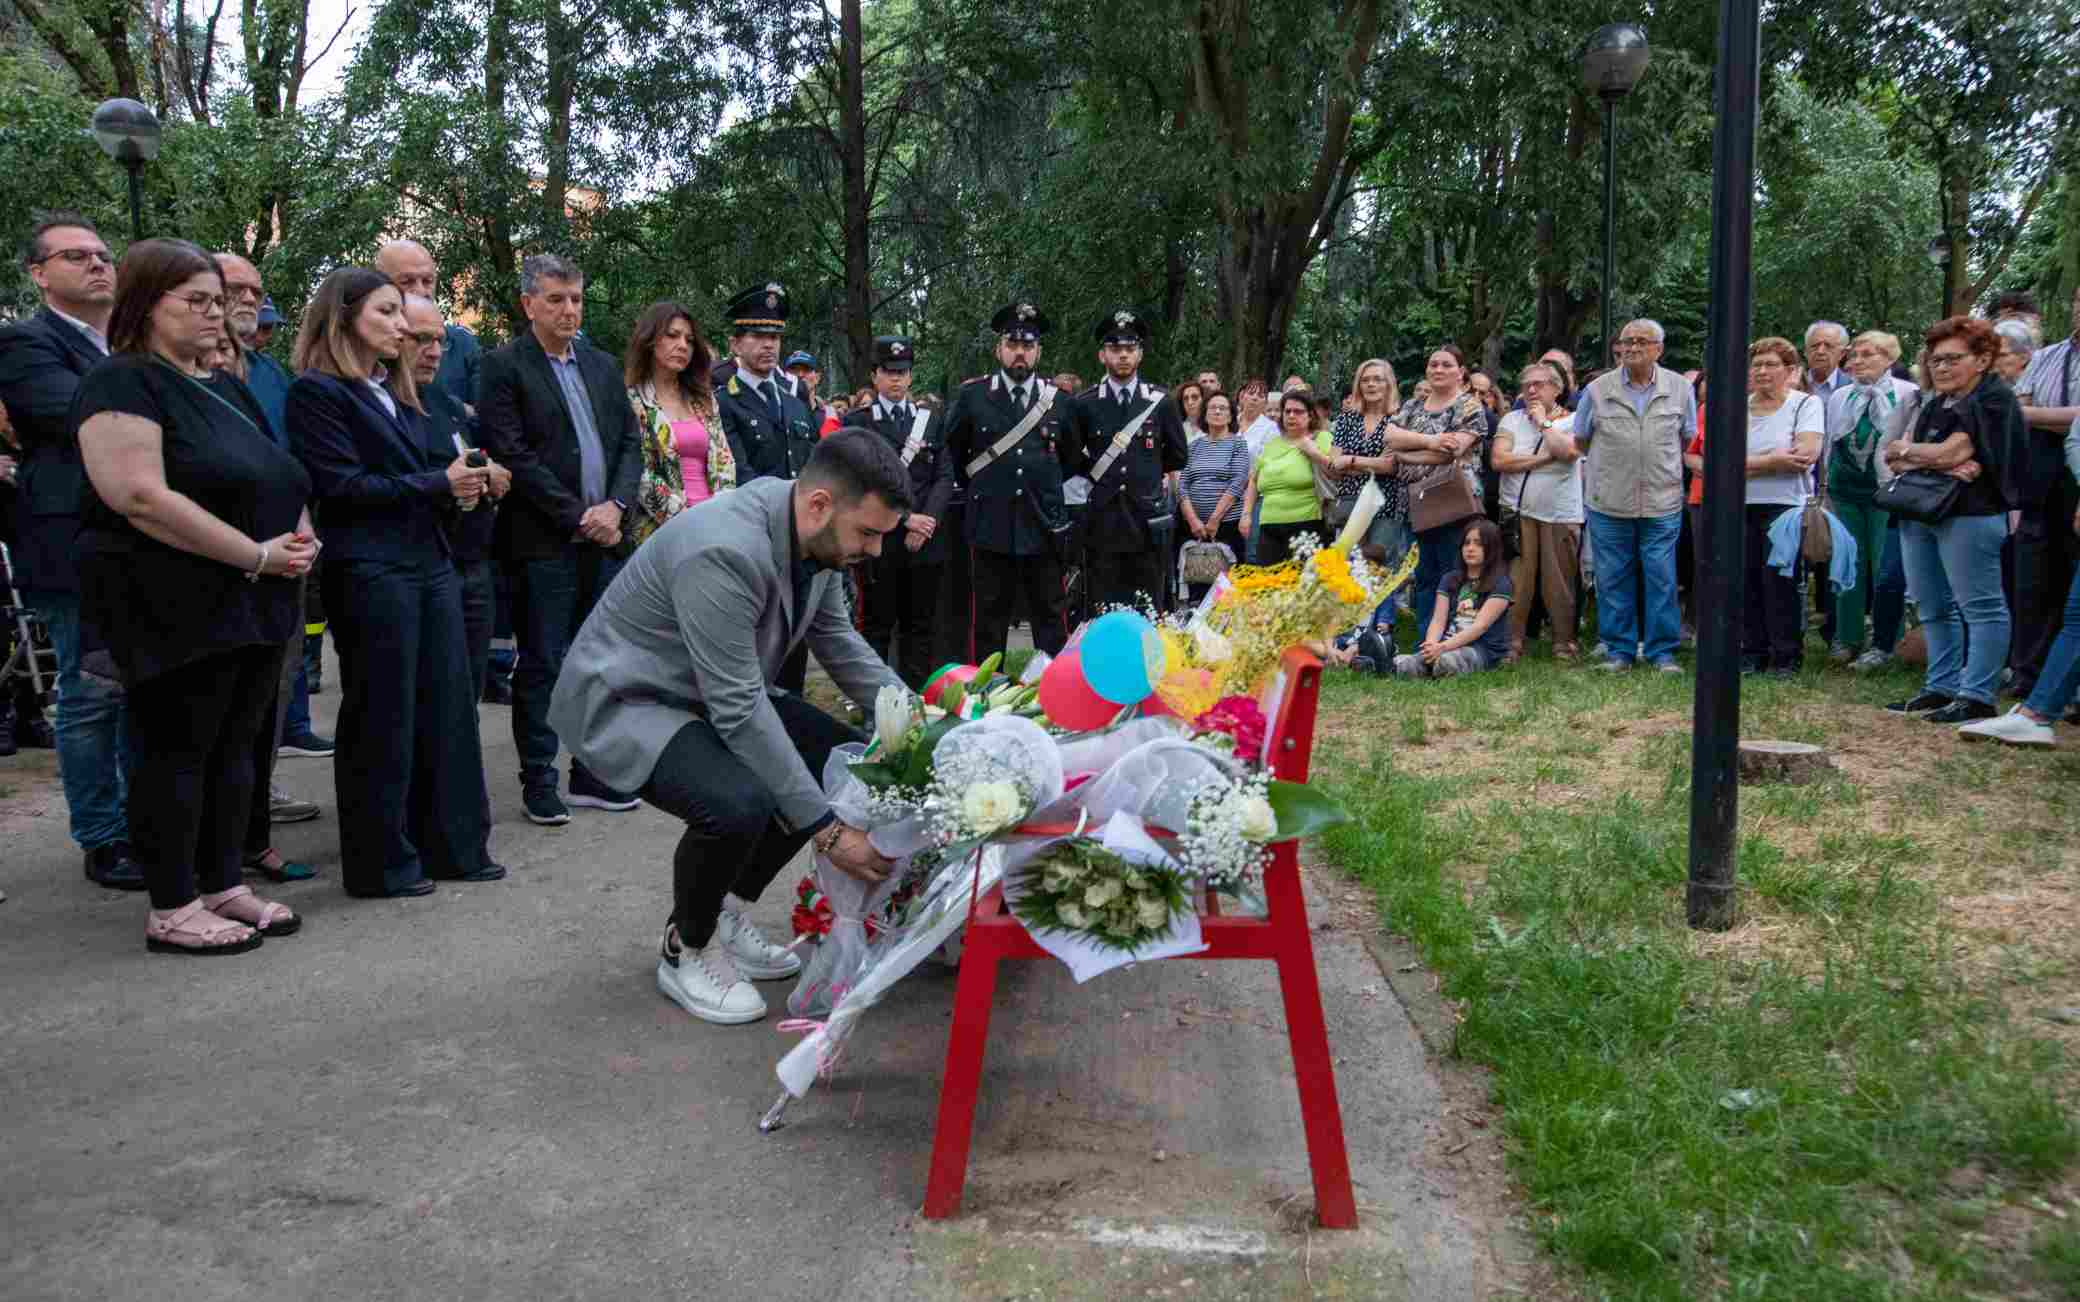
x,y
893,353
1123,326
1021,321
761,308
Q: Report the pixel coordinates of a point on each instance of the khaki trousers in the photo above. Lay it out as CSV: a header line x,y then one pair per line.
x,y
1548,570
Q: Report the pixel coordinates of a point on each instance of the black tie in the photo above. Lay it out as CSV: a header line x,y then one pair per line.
x,y
1122,395
772,393
1021,392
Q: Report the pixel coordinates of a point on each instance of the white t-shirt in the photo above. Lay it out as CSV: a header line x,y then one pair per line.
x,y
1551,494
1802,413
1260,430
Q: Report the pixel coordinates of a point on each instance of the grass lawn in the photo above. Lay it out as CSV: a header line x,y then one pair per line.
x,y
1862,1091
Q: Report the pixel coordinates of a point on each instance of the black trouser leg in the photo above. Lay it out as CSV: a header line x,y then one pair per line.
x,y
2046,553
1773,620
267,744
1126,578
993,585
887,593
1041,577
479,603
193,782
918,638
733,843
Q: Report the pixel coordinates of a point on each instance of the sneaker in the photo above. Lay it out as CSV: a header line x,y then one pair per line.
x,y
1922,704
309,746
590,793
285,808
1961,710
1363,665
543,805
1841,655
112,866
2014,728
1611,664
1871,660
1667,667
755,957
709,989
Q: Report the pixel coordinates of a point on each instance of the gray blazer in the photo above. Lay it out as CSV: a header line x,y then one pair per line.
x,y
697,624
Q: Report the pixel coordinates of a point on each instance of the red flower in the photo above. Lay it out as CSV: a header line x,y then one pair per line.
x,y
813,919
1241,718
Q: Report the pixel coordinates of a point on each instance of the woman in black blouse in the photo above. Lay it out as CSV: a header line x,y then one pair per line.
x,y
194,524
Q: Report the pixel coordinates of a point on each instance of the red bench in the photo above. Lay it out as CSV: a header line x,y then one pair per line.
x,y
1282,937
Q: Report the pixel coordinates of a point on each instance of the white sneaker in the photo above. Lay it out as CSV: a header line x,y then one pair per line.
x,y
1870,660
2014,728
755,957
704,983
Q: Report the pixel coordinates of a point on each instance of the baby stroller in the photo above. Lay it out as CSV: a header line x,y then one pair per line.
x,y
30,670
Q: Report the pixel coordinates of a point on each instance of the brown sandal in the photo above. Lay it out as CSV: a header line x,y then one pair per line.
x,y
267,917
193,929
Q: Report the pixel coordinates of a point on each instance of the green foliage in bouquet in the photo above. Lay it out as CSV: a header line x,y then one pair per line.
x,y
1080,888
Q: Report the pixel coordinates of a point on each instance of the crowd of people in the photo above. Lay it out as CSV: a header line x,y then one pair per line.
x,y
192,518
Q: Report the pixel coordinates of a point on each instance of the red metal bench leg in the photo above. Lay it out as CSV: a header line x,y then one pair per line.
x,y
1336,1207
963,1080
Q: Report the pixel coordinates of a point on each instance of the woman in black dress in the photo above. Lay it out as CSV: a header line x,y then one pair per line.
x,y
192,535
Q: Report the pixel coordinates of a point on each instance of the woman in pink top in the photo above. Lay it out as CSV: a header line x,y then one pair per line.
x,y
686,459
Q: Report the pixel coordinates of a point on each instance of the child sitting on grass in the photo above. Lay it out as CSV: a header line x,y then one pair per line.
x,y
1467,632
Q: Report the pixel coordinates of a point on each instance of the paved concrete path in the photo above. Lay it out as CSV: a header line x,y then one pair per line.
x,y
481,1095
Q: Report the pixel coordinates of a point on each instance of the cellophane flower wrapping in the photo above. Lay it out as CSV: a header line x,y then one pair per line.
x,y
1085,954
834,962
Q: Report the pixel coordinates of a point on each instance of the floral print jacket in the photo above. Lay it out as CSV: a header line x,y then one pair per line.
x,y
661,494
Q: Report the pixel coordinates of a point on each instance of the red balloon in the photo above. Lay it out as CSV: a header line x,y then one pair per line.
x,y
1068,701
947,674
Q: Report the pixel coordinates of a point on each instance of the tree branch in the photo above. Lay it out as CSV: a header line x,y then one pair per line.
x,y
92,83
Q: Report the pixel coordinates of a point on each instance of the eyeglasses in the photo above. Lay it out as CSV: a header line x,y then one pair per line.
x,y
427,339
243,293
80,257
201,304
1634,341
1943,361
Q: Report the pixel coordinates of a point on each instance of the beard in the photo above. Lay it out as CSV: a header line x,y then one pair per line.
x,y
826,549
1018,371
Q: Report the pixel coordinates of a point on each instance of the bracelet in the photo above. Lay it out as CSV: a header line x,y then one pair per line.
x,y
827,840
253,575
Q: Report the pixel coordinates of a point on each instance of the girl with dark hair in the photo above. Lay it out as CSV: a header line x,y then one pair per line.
x,y
409,770
192,546
1468,632
684,458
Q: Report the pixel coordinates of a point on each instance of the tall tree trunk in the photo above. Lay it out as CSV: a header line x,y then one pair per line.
x,y
497,219
852,154
562,52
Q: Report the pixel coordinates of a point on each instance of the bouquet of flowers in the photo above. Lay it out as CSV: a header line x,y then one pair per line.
x,y
1099,902
1262,610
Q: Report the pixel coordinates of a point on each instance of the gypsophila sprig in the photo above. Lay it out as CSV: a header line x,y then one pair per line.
x,y
1227,833
973,796
1080,888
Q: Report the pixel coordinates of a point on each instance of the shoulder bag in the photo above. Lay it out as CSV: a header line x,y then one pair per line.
x,y
1440,495
1511,519
1815,535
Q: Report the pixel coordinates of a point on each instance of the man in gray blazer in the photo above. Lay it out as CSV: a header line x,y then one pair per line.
x,y
668,691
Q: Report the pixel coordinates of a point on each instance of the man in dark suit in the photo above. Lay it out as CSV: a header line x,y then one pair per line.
x,y
762,411
1015,522
1125,438
902,583
41,362
554,411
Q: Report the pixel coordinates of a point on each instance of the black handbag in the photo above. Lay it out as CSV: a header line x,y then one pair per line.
x,y
1511,519
1924,496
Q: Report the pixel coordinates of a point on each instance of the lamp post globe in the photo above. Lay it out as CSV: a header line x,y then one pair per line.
x,y
1940,251
128,132
1613,60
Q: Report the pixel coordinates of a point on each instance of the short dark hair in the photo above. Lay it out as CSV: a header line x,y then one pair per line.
x,y
149,271
2016,300
854,462
1976,334
32,248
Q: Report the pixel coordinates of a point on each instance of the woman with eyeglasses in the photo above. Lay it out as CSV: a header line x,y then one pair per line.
x,y
1970,430
196,527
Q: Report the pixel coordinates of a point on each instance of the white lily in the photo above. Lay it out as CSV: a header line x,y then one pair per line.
x,y
893,713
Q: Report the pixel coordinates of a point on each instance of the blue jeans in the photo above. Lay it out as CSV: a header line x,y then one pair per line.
x,y
95,754
1628,550
1437,554
552,595
1954,577
1889,597
2061,677
1391,533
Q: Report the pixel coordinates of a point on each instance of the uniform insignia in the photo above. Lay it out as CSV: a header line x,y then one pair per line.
x,y
732,386
1025,311
773,287
896,349
1123,319
772,301
977,379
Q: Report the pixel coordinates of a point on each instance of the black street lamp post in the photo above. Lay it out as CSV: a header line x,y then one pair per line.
x,y
128,133
1714,775
1940,253
1613,61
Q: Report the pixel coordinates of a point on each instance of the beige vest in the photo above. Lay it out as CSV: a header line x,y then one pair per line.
x,y
1636,457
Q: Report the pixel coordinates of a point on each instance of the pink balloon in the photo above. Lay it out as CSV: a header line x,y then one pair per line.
x,y
1068,700
948,674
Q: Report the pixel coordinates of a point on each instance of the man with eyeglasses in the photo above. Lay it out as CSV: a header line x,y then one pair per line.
x,y
41,362
1639,415
412,269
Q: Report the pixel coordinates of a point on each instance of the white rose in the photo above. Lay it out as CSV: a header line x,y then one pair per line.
x,y
892,713
989,806
1099,894
1151,912
1071,914
1259,823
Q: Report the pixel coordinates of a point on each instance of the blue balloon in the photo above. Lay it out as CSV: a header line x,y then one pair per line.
x,y
1122,657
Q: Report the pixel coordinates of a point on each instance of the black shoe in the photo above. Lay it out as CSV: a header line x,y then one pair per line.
x,y
1363,665
423,886
544,806
490,872
589,792
2073,715
111,866
1961,710
497,691
1921,704
34,732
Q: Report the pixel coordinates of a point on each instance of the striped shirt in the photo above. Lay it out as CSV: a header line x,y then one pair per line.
x,y
1214,467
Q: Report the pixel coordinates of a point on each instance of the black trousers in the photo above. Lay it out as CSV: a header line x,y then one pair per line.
x,y
409,768
193,784
2047,551
1275,541
479,612
902,596
1773,621
267,745
995,582
1127,578
733,842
